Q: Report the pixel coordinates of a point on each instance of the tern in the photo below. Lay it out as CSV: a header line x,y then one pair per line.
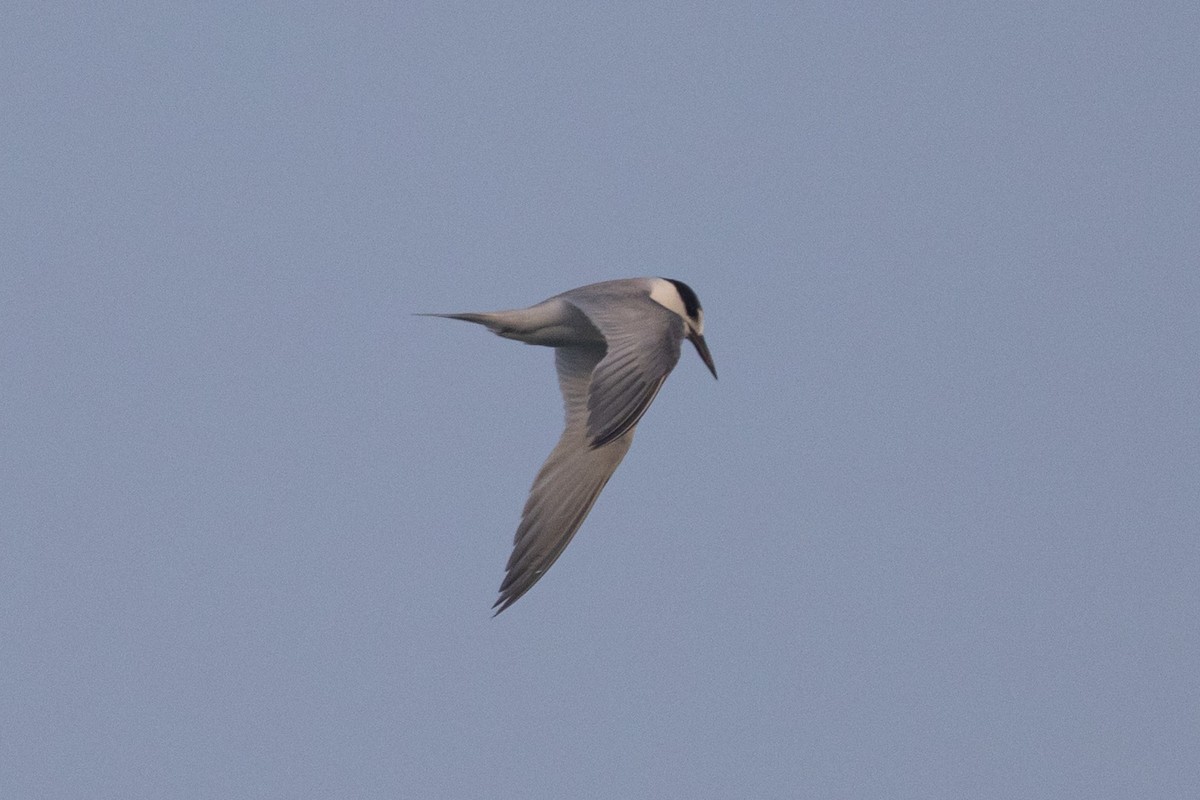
x,y
615,343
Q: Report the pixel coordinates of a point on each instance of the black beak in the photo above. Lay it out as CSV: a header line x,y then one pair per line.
x,y
702,349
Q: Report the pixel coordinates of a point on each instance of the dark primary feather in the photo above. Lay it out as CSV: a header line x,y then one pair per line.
x,y
643,347
566,486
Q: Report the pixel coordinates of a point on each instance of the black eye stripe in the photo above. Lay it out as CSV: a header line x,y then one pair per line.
x,y
691,303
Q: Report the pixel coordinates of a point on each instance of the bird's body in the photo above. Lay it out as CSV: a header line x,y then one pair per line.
x,y
615,343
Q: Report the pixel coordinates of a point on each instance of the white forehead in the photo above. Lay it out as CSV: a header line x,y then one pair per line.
x,y
666,295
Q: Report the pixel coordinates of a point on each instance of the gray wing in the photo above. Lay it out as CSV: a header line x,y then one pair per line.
x,y
567,484
643,341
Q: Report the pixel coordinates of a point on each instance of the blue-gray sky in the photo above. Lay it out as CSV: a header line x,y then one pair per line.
x,y
934,533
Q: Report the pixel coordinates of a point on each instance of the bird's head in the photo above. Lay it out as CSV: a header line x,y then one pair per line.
x,y
677,296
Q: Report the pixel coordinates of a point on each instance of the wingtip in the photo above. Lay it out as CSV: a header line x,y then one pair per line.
x,y
502,603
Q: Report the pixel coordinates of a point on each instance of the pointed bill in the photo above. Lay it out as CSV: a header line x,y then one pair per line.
x,y
702,349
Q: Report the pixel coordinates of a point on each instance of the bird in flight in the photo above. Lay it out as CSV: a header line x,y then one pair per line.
x,y
615,343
